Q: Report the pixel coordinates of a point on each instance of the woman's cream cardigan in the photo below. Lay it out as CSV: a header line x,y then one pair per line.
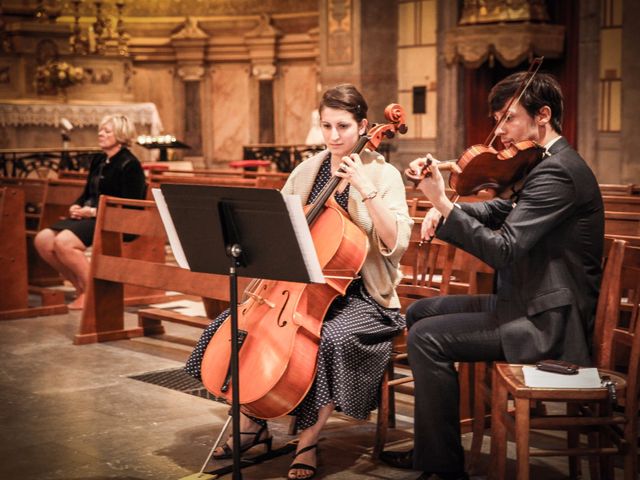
x,y
380,270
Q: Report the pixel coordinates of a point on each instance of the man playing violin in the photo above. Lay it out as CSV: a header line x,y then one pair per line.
x,y
545,242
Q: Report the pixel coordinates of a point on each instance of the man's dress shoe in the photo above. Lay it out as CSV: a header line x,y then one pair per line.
x,y
398,459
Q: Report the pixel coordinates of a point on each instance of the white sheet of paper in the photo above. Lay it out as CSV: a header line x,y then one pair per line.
x,y
585,378
174,241
303,234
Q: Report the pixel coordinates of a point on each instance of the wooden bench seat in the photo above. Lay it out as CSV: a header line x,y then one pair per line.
x,y
14,301
103,316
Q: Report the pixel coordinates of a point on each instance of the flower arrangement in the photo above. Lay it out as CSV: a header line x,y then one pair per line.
x,y
56,75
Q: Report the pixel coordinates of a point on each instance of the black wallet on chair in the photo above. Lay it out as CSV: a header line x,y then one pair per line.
x,y
558,366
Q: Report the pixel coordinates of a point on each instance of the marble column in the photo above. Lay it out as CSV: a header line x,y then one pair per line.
x,y
630,135
589,74
189,44
261,43
450,136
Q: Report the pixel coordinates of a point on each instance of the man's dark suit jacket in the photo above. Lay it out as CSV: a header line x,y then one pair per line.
x,y
547,252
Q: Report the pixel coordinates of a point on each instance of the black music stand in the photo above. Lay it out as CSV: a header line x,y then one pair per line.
x,y
239,231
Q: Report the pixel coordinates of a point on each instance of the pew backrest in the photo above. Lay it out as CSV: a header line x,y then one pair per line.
x,y
103,316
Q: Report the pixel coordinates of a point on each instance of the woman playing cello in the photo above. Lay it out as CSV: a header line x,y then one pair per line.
x,y
355,342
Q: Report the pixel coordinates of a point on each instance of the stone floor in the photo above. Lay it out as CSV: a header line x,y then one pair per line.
x,y
72,412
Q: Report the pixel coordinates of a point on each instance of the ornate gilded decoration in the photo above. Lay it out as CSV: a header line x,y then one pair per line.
x,y
190,29
492,11
340,35
162,8
515,38
5,75
5,41
102,76
55,76
78,41
100,32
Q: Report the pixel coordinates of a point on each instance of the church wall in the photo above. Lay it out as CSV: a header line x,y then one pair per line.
x,y
229,110
296,90
156,83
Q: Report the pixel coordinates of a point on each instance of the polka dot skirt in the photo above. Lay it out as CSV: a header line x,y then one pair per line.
x,y
355,346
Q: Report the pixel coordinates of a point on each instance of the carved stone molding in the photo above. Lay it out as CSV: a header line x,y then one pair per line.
x,y
261,43
5,75
511,44
189,44
340,40
191,72
190,30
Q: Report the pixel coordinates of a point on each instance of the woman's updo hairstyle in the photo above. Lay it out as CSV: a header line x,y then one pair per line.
x,y
345,97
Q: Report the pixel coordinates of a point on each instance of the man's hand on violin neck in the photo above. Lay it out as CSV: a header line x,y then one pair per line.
x,y
433,188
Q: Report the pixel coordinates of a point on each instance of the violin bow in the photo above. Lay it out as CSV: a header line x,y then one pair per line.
x,y
526,81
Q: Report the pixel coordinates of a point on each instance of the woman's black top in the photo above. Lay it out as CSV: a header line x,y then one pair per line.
x,y
118,176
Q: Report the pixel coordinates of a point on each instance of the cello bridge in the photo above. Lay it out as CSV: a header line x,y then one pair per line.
x,y
261,300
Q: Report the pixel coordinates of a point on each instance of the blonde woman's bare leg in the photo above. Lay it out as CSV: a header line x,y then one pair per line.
x,y
44,242
69,250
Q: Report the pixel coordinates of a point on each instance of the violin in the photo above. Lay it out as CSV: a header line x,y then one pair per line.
x,y
482,167
281,322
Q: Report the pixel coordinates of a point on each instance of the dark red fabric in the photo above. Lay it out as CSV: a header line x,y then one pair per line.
x,y
478,82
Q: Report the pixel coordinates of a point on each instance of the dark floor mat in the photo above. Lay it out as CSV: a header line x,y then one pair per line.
x,y
177,379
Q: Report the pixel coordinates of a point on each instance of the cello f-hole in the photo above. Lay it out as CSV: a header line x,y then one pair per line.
x,y
280,322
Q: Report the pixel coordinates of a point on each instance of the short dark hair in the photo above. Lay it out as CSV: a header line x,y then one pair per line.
x,y
544,90
345,97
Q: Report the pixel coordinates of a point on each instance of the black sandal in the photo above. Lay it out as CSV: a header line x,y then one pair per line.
x,y
303,466
227,451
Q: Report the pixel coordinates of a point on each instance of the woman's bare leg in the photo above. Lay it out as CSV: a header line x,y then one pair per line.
x,y
44,242
69,250
246,426
307,438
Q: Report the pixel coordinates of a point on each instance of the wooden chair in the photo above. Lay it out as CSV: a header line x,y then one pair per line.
x,y
431,269
610,432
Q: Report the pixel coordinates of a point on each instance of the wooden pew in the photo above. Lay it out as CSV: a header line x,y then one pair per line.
x,y
103,316
622,223
59,195
223,181
259,181
14,300
622,203
620,189
219,172
34,190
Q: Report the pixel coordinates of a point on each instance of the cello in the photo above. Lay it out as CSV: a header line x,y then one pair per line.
x,y
280,322
482,167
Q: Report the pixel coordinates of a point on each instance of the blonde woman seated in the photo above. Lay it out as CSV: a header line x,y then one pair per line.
x,y
116,172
